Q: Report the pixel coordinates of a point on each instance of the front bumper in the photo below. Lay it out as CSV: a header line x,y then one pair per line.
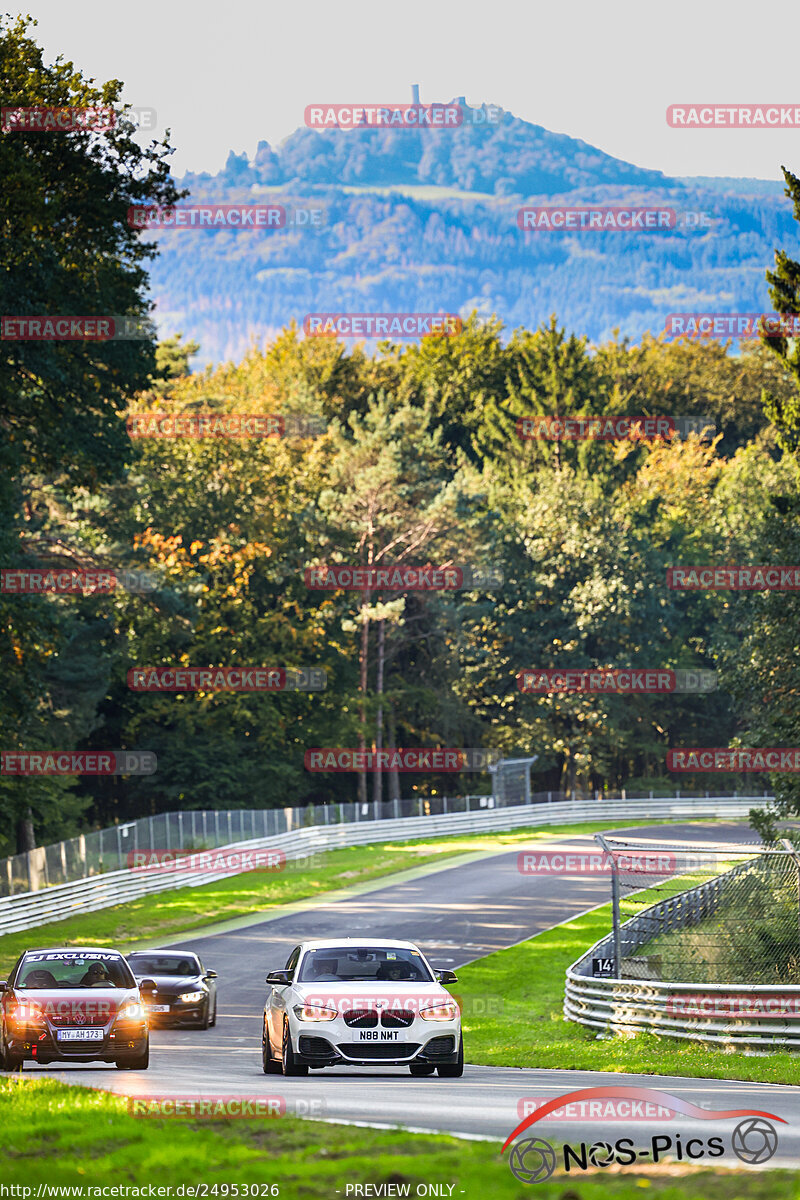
x,y
178,1012
324,1043
34,1044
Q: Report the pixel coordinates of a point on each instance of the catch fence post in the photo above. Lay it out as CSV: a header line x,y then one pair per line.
x,y
614,906
793,852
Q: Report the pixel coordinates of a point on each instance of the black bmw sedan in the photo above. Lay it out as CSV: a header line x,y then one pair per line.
x,y
186,993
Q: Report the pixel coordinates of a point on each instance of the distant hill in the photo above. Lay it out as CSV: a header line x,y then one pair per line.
x,y
426,221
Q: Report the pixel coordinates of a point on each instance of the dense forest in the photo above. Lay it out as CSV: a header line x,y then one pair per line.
x,y
414,458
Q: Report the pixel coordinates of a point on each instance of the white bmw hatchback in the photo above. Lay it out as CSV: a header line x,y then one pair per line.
x,y
361,1002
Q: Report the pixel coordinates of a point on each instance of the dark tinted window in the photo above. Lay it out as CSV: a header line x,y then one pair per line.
x,y
164,964
353,964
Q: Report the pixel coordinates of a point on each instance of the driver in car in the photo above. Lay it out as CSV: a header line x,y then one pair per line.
x,y
396,972
325,970
96,976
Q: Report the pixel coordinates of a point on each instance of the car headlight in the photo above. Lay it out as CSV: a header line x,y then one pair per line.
x,y
132,1011
26,1012
439,1012
191,997
315,1012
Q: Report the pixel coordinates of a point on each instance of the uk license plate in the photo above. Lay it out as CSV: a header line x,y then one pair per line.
x,y
80,1035
158,1008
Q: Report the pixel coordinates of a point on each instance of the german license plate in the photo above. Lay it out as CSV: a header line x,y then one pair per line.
x,y
80,1035
158,1008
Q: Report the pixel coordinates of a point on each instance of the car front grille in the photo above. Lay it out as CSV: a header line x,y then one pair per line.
x,y
382,1050
397,1018
360,1018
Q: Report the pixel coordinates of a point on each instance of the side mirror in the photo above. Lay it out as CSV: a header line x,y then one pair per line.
x,y
3,985
210,975
446,976
280,978
147,987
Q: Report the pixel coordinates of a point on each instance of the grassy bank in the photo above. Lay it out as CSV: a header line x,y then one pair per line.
x,y
513,1018
168,914
70,1136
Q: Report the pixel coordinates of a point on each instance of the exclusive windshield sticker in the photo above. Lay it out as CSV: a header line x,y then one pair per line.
x,y
73,956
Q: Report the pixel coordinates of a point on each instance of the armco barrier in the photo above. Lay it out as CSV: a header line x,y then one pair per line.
x,y
30,909
685,1010
735,1015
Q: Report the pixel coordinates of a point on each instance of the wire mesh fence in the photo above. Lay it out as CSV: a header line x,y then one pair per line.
x,y
111,849
721,915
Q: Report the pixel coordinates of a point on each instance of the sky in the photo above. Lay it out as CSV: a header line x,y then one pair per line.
x,y
225,76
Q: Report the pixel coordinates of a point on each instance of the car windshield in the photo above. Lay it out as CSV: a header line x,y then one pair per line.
x,y
164,964
355,964
67,969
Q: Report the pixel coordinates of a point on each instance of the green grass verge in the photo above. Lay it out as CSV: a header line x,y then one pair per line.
x,y
513,1017
168,914
75,1137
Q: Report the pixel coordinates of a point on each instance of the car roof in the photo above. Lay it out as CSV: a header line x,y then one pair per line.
x,y
358,943
174,953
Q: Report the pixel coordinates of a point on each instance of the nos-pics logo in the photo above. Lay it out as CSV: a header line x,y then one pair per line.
x,y
533,1160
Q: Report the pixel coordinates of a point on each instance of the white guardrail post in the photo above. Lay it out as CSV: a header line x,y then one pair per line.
x,y
27,910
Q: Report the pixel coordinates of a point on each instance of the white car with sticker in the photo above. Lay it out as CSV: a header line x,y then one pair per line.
x,y
364,1002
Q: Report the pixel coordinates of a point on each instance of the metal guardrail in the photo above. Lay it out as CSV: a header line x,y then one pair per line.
x,y
759,1015
99,851
31,909
628,1006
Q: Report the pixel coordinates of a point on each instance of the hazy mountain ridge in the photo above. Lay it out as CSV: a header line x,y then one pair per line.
x,y
395,251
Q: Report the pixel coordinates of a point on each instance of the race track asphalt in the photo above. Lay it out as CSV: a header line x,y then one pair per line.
x,y
456,914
